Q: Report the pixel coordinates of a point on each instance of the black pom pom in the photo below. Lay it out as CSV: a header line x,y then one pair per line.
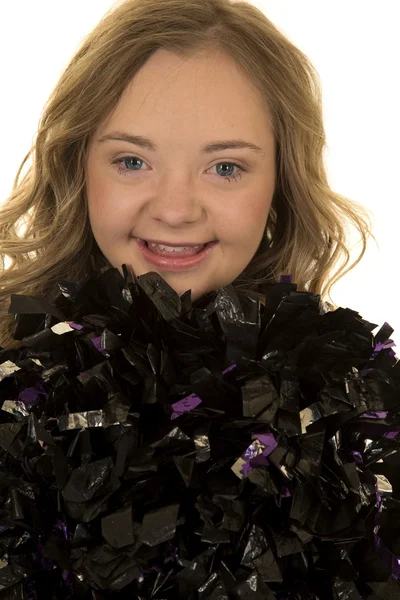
x,y
152,447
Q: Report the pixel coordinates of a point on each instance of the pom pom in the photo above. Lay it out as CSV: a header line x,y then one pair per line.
x,y
152,447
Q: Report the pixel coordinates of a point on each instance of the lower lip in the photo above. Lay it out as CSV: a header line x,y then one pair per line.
x,y
175,263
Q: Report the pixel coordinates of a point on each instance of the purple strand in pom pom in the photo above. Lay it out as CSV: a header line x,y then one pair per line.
x,y
185,405
29,395
381,346
229,369
269,441
192,401
391,435
256,454
382,414
97,343
62,526
285,279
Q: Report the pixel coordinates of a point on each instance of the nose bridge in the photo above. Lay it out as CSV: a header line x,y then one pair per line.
x,y
175,200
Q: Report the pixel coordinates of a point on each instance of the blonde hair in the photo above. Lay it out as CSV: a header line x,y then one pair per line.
x,y
305,234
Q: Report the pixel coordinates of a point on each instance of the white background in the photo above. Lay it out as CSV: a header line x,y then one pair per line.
x,y
355,48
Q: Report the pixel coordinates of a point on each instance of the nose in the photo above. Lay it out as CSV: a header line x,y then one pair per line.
x,y
175,203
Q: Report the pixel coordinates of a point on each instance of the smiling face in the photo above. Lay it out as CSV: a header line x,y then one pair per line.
x,y
176,192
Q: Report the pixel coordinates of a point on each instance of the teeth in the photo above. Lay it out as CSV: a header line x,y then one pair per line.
x,y
173,248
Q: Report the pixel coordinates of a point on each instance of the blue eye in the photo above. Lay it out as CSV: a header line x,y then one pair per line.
x,y
124,171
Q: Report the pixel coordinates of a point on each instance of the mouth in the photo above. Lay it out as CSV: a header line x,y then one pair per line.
x,y
177,257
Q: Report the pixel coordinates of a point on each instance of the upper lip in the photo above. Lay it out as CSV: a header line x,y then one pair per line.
x,y
177,244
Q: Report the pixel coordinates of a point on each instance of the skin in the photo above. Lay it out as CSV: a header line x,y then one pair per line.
x,y
176,193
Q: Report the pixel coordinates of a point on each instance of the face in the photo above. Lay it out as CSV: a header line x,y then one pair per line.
x,y
173,190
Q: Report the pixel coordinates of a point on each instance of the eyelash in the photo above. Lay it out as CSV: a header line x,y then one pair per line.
x,y
121,171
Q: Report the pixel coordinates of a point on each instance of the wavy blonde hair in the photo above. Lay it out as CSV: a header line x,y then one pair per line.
x,y
305,234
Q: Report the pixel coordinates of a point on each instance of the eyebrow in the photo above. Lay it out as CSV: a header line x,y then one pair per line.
x,y
145,142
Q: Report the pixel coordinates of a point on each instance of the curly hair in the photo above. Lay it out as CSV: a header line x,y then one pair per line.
x,y
45,231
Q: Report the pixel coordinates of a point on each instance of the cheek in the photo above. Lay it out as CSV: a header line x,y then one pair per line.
x,y
249,219
101,193
109,208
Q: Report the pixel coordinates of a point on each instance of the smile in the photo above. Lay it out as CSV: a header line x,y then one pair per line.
x,y
174,258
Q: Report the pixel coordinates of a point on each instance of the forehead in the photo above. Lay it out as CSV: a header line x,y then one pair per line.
x,y
171,95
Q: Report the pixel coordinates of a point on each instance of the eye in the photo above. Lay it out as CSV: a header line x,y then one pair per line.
x,y
124,171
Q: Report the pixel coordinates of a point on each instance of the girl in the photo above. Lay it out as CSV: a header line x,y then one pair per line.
x,y
185,138
183,123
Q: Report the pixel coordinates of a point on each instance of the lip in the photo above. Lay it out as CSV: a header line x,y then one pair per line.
x,y
176,244
175,263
